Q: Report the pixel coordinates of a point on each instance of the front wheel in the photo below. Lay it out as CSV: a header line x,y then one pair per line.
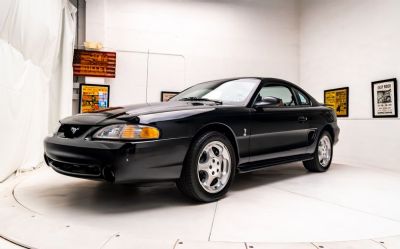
x,y
322,155
209,168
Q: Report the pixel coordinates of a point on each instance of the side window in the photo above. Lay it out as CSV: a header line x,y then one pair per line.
x,y
302,98
280,92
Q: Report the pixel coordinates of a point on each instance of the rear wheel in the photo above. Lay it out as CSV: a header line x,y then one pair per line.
x,y
209,168
322,155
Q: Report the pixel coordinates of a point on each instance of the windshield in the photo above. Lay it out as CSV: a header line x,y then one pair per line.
x,y
228,91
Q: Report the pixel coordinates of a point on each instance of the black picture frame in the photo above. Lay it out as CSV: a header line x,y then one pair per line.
x,y
395,101
163,97
347,89
99,85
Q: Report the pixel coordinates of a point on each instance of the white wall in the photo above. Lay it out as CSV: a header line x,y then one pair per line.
x,y
321,43
352,43
203,40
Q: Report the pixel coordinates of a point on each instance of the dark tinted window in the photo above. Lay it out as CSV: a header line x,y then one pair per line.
x,y
228,91
280,92
303,99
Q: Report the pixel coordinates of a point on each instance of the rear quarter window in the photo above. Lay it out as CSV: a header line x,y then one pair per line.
x,y
303,99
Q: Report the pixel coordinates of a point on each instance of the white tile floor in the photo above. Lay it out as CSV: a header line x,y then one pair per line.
x,y
280,207
5,244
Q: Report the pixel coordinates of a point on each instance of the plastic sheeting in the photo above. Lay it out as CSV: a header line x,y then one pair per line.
x,y
36,50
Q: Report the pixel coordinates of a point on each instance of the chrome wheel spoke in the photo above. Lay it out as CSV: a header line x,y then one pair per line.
x,y
209,180
324,151
214,167
203,166
204,161
225,162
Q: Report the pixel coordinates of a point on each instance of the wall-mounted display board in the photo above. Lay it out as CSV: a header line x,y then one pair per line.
x,y
93,97
94,63
384,98
165,96
338,100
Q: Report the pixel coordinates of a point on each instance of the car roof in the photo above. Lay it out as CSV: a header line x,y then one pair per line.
x,y
256,77
272,80
276,80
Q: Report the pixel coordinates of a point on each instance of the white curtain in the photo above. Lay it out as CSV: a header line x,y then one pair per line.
x,y
36,50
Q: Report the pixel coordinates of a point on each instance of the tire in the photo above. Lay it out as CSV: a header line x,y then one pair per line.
x,y
321,163
209,168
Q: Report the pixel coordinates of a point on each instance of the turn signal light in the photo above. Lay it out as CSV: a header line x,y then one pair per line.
x,y
149,133
128,132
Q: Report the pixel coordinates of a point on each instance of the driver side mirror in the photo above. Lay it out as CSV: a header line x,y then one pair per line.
x,y
268,102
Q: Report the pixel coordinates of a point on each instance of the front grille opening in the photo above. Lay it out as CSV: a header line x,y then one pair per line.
x,y
78,169
72,131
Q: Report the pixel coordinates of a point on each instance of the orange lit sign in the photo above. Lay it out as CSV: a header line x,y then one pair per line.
x,y
94,63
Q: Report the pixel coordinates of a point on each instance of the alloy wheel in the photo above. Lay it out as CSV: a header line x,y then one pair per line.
x,y
324,151
214,167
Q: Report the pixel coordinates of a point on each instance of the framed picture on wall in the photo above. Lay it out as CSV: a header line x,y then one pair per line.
x,y
338,100
93,97
384,98
94,63
166,96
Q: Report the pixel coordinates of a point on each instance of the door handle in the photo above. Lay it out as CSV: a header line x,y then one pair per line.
x,y
302,119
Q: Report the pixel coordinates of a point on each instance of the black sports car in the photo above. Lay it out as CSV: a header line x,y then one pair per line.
x,y
201,138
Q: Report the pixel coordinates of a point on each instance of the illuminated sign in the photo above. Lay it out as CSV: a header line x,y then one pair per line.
x,y
94,63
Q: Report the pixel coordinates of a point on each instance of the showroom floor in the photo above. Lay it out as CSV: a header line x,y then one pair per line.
x,y
280,207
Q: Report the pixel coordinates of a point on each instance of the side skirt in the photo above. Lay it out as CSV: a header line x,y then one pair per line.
x,y
252,166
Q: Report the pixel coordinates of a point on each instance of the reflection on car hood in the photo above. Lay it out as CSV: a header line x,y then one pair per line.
x,y
132,111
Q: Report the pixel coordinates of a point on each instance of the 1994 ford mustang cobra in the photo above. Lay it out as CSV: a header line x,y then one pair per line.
x,y
201,138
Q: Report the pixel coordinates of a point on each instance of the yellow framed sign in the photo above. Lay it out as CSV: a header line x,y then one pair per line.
x,y
93,98
338,100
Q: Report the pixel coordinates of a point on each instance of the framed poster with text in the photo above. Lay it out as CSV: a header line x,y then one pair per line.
x,y
166,96
94,63
384,98
338,100
93,97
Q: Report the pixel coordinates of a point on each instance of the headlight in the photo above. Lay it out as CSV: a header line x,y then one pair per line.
x,y
127,132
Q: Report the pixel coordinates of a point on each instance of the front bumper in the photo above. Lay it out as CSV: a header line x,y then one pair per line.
x,y
117,161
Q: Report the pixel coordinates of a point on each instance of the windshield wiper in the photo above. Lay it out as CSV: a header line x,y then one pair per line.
x,y
200,99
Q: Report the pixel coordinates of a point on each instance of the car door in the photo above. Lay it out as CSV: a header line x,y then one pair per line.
x,y
315,118
278,131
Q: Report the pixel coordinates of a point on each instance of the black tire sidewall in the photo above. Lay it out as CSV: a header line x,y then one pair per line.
x,y
192,161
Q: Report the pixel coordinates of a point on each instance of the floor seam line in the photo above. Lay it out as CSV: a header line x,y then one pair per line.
x,y
313,244
175,244
339,205
22,205
378,242
212,223
14,242
14,174
108,240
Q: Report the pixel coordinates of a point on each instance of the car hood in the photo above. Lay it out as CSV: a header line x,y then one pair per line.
x,y
132,112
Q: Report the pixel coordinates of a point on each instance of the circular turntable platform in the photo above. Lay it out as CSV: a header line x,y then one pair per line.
x,y
282,204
